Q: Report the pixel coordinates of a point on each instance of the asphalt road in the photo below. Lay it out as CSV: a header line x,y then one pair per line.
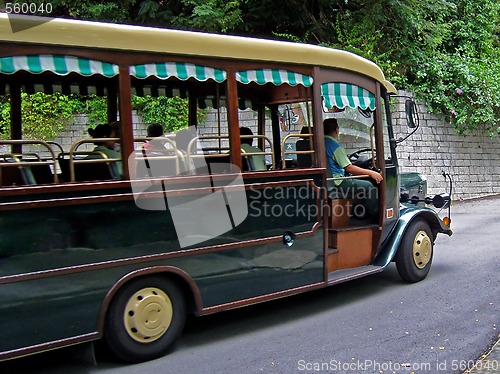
x,y
377,324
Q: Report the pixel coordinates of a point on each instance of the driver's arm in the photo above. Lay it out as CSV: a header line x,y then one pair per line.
x,y
356,170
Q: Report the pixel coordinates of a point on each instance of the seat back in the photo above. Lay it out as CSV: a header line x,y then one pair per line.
x,y
255,162
304,160
87,171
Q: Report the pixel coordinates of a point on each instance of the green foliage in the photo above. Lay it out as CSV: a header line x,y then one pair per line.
x,y
43,116
170,112
110,11
460,79
96,109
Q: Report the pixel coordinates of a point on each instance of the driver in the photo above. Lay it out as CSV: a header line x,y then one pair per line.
x,y
339,163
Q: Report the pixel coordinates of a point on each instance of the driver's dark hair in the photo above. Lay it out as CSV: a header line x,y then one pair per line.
x,y
330,125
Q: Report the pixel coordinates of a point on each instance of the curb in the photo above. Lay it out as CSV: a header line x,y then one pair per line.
x,y
489,363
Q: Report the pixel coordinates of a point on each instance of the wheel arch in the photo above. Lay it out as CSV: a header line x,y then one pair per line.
x,y
390,246
179,276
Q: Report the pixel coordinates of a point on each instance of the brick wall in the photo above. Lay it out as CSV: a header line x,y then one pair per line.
x,y
473,160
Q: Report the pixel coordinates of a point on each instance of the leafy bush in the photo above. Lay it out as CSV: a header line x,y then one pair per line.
x,y
43,116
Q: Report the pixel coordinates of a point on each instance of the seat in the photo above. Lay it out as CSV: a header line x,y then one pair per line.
x,y
42,173
16,175
304,160
253,162
88,171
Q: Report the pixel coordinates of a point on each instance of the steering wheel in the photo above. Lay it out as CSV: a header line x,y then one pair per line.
x,y
362,160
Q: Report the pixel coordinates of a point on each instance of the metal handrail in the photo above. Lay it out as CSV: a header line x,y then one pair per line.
x,y
265,153
73,151
283,142
53,160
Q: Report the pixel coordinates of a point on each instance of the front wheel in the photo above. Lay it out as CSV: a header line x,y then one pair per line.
x,y
414,256
145,319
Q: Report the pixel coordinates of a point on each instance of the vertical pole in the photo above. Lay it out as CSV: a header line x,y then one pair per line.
x,y
261,125
16,132
127,131
319,138
379,147
232,112
275,121
112,104
192,111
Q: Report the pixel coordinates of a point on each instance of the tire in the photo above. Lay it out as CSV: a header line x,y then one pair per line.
x,y
414,256
145,318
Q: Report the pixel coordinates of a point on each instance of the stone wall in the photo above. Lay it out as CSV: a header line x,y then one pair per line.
x,y
473,161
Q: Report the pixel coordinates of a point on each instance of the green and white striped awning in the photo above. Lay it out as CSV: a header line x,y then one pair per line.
x,y
274,76
159,91
212,102
343,95
180,70
65,89
58,64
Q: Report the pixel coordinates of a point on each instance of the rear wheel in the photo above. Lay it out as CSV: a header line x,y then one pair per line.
x,y
145,319
414,256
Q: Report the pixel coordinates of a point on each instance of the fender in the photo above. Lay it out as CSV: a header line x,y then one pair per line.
x,y
407,214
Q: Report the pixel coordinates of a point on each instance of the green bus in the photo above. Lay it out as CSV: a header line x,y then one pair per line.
x,y
122,245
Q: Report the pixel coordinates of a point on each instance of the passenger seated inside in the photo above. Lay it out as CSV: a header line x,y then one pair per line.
x,y
339,164
106,147
255,162
155,146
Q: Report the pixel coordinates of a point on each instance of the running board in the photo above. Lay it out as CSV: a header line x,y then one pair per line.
x,y
344,275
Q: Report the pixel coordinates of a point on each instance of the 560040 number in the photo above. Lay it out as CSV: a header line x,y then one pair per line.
x,y
28,8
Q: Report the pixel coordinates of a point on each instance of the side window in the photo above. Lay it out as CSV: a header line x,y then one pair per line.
x,y
297,142
354,109
193,138
386,133
282,112
56,146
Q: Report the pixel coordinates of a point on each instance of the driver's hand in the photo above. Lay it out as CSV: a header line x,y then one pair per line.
x,y
376,176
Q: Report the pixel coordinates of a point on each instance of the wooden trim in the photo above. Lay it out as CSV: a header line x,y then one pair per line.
x,y
49,346
126,184
127,132
232,116
328,75
379,146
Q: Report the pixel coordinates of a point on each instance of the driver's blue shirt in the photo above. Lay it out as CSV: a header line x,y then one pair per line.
x,y
337,159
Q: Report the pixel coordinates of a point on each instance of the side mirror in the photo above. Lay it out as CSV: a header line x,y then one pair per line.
x,y
411,114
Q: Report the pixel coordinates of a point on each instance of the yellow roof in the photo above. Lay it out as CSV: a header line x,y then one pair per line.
x,y
137,38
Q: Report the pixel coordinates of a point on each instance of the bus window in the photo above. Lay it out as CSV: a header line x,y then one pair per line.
x,y
353,107
297,143
285,108
188,150
34,157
